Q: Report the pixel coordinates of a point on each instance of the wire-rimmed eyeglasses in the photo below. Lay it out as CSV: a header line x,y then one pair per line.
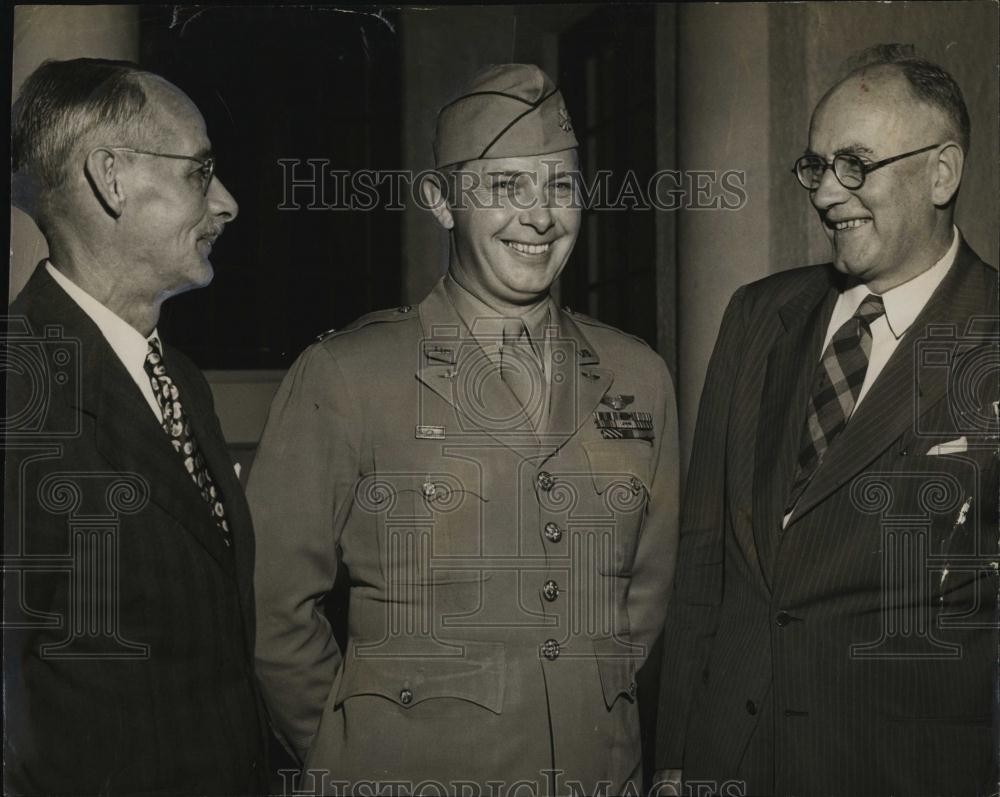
x,y
850,170
207,170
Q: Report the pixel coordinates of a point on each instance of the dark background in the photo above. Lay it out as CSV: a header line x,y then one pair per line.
x,y
329,85
283,83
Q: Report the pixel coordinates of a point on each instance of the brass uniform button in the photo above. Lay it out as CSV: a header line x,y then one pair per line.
x,y
550,590
552,532
550,649
545,481
406,697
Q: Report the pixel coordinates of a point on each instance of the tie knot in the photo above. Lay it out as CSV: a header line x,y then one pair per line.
x,y
513,330
870,309
154,357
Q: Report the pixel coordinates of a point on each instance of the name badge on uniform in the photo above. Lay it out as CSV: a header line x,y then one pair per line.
x,y
619,425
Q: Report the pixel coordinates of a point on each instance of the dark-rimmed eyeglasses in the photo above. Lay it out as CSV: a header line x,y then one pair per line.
x,y
206,170
850,170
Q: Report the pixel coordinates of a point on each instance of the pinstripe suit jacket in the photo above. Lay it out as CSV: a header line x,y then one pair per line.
x,y
129,624
852,652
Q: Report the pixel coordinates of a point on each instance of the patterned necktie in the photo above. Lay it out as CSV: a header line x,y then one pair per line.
x,y
835,392
178,428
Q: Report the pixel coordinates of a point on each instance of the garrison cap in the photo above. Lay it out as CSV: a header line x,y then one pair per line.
x,y
507,111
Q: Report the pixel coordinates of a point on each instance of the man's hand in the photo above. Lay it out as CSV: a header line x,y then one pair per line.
x,y
666,783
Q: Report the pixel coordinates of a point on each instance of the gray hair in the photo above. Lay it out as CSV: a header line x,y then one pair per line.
x,y
64,105
928,82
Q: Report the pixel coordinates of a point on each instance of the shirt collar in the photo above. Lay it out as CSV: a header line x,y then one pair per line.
x,y
126,341
904,302
485,322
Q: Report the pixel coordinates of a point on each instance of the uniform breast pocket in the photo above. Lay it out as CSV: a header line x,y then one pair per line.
x,y
428,506
620,474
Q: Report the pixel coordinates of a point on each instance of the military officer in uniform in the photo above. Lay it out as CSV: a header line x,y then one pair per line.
x,y
499,478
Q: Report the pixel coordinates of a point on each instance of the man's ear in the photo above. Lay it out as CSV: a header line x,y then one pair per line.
x,y
947,175
432,196
102,170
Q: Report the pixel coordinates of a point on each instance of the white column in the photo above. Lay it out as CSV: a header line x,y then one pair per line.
x,y
61,32
722,123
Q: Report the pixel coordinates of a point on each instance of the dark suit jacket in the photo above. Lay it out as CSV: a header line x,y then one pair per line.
x,y
129,625
836,656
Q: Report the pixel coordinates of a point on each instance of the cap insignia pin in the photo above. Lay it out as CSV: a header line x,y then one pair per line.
x,y
564,123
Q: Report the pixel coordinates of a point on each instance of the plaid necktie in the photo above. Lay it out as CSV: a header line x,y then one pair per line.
x,y
182,438
838,383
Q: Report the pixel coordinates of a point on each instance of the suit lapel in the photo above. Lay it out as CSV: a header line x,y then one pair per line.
x,y
791,365
220,465
890,408
130,438
126,431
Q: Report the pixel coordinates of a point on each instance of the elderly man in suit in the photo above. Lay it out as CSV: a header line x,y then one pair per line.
x,y
128,544
499,479
832,629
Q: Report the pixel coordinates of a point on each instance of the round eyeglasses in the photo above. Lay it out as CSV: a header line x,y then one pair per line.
x,y
850,170
206,170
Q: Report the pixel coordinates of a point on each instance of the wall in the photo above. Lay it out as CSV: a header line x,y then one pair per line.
x,y
42,32
722,119
442,49
749,76
808,45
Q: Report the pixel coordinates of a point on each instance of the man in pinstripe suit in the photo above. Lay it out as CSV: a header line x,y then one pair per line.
x,y
832,629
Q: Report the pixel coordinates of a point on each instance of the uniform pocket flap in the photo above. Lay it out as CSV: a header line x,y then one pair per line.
x,y
617,670
624,464
476,673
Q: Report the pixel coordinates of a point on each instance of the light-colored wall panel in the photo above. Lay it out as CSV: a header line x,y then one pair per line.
x,y
61,32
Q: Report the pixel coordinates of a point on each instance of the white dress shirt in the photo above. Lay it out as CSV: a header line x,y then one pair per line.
x,y
125,340
902,306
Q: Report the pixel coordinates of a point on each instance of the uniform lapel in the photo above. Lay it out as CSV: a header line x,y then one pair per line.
x,y
577,384
791,365
577,380
891,407
451,367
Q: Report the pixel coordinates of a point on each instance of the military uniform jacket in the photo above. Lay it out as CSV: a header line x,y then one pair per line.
x,y
504,587
852,652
